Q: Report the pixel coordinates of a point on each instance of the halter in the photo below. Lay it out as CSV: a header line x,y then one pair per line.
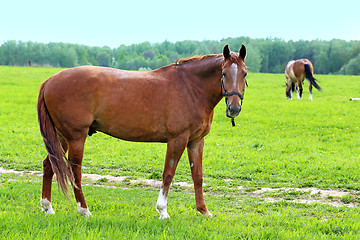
x,y
226,95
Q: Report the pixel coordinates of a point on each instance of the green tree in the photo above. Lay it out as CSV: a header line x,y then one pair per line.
x,y
67,58
253,58
148,54
84,58
9,52
103,59
352,68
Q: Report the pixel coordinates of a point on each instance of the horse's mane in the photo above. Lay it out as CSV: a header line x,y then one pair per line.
x,y
234,56
195,58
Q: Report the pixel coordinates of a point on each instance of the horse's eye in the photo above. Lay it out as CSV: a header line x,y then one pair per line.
x,y
223,74
245,74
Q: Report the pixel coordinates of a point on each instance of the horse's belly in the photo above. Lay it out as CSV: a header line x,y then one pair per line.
x,y
131,122
137,132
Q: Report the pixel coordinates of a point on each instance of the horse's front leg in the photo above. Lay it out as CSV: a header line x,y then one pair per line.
x,y
288,89
175,148
195,153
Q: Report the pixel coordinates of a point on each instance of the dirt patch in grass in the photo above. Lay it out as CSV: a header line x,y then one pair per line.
x,y
334,197
98,179
306,195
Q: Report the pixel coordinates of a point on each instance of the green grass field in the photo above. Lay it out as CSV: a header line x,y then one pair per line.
x,y
286,146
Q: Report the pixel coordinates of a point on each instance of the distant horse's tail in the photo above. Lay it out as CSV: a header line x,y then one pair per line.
x,y
53,146
310,76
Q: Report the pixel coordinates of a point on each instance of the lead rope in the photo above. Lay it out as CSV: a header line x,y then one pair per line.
x,y
233,122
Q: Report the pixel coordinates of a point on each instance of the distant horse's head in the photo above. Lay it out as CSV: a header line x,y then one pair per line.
x,y
233,80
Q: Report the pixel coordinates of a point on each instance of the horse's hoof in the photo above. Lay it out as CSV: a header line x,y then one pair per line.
x,y
46,205
83,211
207,215
163,213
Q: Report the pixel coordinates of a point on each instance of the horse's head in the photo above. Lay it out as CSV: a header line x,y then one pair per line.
x,y
233,80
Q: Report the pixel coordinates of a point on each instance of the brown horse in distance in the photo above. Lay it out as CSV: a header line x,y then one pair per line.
x,y
295,73
173,104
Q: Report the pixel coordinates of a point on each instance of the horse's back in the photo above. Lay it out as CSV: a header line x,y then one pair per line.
x,y
295,70
79,88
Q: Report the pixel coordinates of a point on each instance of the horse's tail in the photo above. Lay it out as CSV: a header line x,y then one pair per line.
x,y
53,146
310,76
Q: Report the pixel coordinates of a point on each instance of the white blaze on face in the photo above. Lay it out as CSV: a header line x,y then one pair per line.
x,y
83,211
234,73
161,205
46,205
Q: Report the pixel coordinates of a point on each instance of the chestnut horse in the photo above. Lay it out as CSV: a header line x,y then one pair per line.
x,y
295,73
173,104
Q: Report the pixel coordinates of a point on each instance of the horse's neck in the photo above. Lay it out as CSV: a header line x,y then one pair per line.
x,y
204,67
208,77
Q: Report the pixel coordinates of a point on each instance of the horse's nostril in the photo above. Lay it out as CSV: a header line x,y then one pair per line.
x,y
234,108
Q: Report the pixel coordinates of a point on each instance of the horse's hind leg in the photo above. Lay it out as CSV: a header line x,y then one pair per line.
x,y
310,90
76,151
195,153
300,91
45,201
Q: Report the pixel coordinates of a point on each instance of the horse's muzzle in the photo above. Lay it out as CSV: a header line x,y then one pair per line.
x,y
232,110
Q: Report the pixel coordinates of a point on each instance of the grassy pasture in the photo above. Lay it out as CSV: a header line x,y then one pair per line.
x,y
276,143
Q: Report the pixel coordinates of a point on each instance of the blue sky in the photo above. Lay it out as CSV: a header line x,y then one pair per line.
x,y
115,22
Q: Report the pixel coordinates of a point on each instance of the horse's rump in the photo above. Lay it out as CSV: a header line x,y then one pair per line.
x,y
55,151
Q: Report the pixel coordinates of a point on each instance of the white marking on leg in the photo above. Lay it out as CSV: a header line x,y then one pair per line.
x,y
310,97
208,214
161,205
83,211
172,163
290,95
297,93
46,205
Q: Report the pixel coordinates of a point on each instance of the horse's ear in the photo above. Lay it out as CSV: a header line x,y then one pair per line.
x,y
226,52
242,53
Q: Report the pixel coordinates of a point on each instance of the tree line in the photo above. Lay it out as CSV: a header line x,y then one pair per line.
x,y
263,55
